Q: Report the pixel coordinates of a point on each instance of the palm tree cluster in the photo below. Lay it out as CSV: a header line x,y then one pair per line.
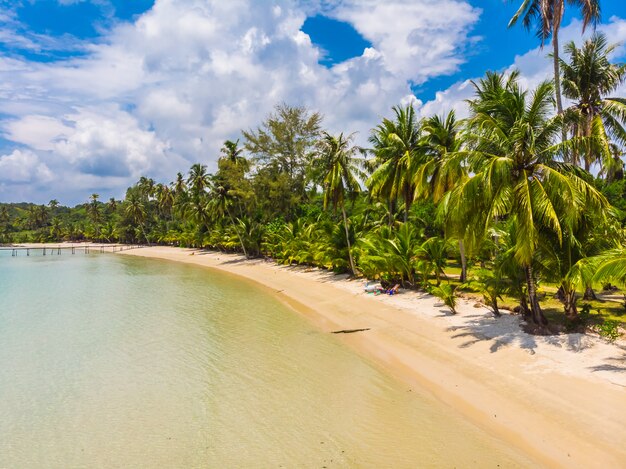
x,y
506,194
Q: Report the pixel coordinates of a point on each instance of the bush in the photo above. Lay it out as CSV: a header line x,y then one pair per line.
x,y
446,293
609,330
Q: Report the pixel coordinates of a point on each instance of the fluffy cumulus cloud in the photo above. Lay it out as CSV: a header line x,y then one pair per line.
x,y
416,39
154,95
22,166
534,67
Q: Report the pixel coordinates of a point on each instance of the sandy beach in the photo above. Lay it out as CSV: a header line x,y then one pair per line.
x,y
561,400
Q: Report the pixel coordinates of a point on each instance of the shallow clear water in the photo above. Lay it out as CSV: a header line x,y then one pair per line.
x,y
109,361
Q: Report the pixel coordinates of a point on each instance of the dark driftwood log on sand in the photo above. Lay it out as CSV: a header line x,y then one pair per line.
x,y
349,331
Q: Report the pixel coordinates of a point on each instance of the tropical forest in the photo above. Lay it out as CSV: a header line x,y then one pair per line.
x,y
521,204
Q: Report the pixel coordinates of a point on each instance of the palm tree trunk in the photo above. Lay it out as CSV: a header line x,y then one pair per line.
x,y
535,309
243,247
588,155
557,73
494,307
407,202
463,278
569,305
589,293
557,83
144,233
345,226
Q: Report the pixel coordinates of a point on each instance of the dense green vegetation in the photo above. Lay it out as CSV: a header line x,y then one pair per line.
x,y
505,196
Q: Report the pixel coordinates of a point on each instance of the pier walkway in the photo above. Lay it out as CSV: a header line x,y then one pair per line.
x,y
53,249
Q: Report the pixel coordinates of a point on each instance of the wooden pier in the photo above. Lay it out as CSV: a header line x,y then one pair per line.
x,y
58,249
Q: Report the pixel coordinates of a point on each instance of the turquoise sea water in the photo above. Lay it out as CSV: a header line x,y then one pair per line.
x,y
111,361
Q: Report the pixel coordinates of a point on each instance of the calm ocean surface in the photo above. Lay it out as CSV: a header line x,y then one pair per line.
x,y
117,362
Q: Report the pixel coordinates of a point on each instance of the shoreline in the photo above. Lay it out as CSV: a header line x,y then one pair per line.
x,y
559,400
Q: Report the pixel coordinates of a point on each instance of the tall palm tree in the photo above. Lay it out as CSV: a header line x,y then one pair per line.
x,y
588,76
146,187
136,210
398,151
198,179
93,207
180,185
221,199
340,171
112,204
165,199
433,178
547,16
232,152
512,141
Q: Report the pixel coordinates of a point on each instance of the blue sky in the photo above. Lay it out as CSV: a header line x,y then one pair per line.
x,y
497,48
95,93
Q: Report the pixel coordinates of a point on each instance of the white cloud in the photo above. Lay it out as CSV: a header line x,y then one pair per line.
x,y
153,96
534,67
418,39
36,131
23,166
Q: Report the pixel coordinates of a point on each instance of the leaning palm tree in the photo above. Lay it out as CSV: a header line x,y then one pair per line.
x,y
340,169
398,150
547,15
512,146
588,76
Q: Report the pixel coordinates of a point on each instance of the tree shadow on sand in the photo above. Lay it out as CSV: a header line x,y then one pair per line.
x,y
507,331
616,364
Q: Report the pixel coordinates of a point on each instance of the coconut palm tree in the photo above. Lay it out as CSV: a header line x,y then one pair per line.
x,y
547,15
614,171
165,199
433,178
610,265
232,152
588,76
112,205
136,210
93,208
398,150
512,145
219,205
340,169
198,180
146,187
180,185
56,229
